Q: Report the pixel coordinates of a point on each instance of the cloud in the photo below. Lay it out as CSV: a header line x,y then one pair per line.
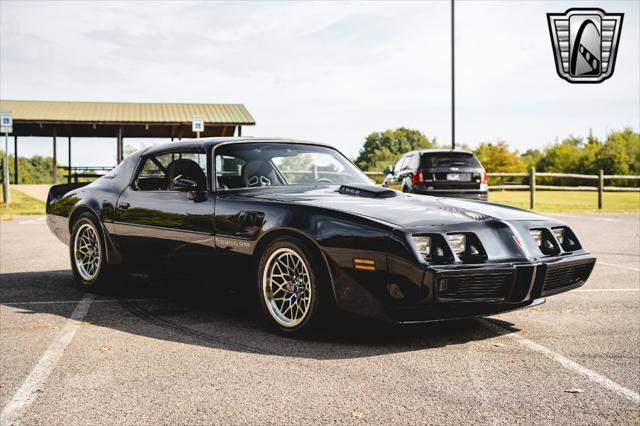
x,y
321,70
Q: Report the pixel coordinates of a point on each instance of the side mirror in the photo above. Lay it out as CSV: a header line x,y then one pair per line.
x,y
185,185
387,170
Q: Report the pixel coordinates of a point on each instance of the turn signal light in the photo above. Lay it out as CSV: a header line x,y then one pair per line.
x,y
364,264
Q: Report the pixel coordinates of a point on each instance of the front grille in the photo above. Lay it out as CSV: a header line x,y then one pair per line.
x,y
569,276
482,286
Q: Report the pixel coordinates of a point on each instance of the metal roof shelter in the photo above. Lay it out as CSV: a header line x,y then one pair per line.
x,y
119,120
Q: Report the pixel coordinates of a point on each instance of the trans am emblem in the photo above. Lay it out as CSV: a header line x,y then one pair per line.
x,y
585,43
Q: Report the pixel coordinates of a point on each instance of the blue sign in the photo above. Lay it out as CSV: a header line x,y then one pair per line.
x,y
6,122
197,123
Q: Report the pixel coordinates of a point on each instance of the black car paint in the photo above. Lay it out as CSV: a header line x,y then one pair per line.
x,y
150,230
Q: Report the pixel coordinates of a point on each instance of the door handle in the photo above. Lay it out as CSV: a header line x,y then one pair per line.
x,y
123,205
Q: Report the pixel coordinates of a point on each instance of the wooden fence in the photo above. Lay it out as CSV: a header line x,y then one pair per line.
x,y
531,186
84,173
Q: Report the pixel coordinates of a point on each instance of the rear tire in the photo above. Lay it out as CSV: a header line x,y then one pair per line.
x,y
87,252
291,286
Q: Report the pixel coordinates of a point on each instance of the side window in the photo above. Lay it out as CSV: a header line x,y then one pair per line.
x,y
408,164
415,162
398,165
229,171
160,170
201,159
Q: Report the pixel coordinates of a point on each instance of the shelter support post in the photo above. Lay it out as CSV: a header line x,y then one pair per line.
x,y
120,150
5,172
69,164
15,159
54,166
239,130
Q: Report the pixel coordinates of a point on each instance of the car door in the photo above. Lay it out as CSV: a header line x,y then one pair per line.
x,y
392,180
160,226
401,171
238,220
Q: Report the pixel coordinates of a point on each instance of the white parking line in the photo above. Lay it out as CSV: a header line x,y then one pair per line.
x,y
40,219
583,290
615,265
37,378
567,363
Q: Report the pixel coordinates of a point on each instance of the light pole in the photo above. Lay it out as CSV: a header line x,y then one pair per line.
x,y
453,79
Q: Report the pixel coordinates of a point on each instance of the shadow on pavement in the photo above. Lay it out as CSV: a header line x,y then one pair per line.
x,y
196,315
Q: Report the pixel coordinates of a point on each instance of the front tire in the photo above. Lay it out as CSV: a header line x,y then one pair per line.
x,y
288,286
88,253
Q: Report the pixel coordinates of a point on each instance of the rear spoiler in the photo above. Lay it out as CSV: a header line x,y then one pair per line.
x,y
56,191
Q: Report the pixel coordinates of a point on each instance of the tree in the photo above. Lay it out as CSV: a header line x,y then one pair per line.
x,y
531,157
382,149
620,153
36,169
496,157
563,157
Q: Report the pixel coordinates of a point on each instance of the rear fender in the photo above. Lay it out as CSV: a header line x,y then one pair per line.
x,y
57,191
114,257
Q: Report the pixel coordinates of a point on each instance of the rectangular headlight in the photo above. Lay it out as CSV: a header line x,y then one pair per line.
x,y
559,234
423,243
536,234
458,242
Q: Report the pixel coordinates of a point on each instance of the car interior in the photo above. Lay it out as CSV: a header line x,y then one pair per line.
x,y
155,176
249,170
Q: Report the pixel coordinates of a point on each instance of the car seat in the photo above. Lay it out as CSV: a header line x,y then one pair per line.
x,y
187,169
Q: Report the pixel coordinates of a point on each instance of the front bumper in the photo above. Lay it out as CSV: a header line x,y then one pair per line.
x,y
444,292
478,290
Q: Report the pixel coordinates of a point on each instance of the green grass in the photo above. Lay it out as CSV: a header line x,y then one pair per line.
x,y
546,201
570,201
20,205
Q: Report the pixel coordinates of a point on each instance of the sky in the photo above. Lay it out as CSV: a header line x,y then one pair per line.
x,y
322,71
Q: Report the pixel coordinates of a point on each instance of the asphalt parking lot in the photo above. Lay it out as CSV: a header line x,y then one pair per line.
x,y
143,357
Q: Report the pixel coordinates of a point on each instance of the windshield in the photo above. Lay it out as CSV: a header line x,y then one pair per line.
x,y
430,161
249,165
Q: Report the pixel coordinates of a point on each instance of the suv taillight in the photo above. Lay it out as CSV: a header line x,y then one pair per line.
x,y
485,178
417,177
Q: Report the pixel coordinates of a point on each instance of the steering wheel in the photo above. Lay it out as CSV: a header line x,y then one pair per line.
x,y
323,180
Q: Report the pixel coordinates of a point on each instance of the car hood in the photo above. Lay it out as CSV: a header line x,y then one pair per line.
x,y
403,210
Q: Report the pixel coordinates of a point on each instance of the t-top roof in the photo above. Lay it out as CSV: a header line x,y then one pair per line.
x,y
125,112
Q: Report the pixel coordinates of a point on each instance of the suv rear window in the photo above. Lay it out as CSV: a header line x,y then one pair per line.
x,y
430,161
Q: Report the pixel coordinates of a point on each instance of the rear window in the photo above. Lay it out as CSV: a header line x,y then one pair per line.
x,y
430,161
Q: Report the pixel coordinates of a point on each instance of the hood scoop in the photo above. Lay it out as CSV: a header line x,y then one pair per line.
x,y
367,191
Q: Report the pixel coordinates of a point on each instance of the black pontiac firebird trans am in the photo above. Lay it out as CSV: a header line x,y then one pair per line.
x,y
314,232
